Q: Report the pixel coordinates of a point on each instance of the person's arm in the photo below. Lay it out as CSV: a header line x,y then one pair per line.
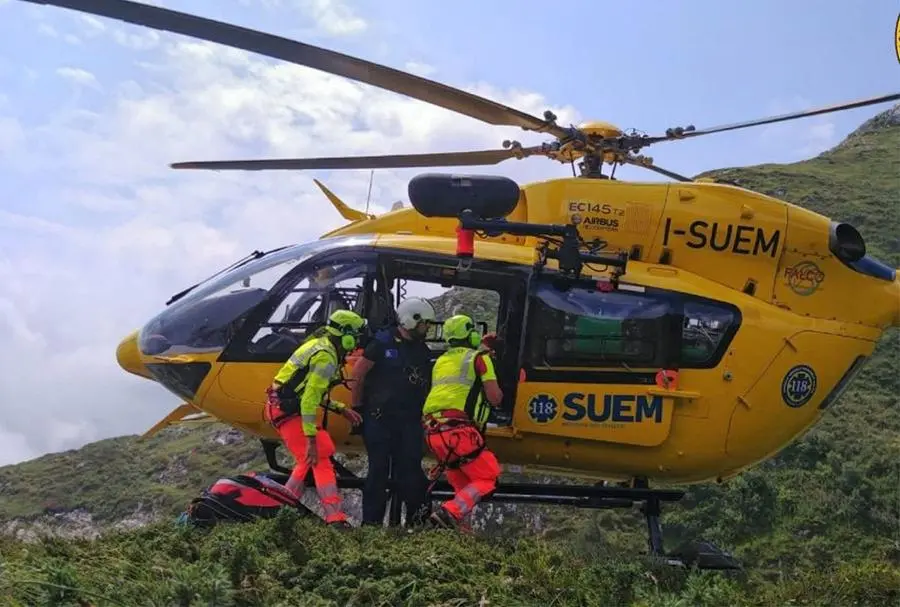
x,y
362,366
318,383
429,370
484,366
286,372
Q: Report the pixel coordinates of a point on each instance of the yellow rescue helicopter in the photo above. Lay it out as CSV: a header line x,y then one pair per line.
x,y
674,332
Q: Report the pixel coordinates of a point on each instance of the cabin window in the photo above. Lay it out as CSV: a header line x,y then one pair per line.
x,y
491,293
623,329
707,331
308,304
579,328
433,283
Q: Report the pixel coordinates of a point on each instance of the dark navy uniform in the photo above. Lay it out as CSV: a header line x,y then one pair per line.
x,y
393,395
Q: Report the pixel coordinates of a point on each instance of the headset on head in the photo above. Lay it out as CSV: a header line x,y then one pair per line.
x,y
473,337
349,335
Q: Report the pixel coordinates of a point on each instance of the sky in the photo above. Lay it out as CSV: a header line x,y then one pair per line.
x,y
96,232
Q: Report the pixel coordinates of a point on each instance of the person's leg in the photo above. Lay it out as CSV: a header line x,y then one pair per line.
x,y
446,448
326,480
409,451
378,449
291,432
457,479
481,474
471,481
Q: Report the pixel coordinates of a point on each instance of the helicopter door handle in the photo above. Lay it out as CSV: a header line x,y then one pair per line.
x,y
679,394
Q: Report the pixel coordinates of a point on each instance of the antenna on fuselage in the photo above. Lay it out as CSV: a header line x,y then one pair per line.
x,y
369,195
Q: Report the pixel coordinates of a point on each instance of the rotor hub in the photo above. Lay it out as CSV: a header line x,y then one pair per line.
x,y
600,129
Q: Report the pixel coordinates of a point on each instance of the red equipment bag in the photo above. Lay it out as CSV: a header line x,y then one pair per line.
x,y
241,498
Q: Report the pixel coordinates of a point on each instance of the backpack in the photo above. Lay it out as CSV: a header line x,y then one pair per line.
x,y
240,498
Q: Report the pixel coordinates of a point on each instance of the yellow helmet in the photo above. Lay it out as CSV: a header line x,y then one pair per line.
x,y
348,325
461,328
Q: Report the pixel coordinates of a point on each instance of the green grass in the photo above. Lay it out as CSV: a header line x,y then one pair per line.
x,y
111,477
290,560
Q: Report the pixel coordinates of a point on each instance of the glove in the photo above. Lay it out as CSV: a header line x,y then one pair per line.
x,y
491,342
350,413
357,428
334,405
272,397
352,416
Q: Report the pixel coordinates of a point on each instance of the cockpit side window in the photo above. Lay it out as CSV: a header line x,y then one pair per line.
x,y
308,305
213,315
305,306
207,324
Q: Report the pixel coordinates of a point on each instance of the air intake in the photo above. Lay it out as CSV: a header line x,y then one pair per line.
x,y
846,243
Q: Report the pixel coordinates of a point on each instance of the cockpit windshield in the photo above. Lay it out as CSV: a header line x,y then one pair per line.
x,y
206,317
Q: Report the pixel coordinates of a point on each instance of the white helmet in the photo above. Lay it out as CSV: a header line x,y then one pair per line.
x,y
413,311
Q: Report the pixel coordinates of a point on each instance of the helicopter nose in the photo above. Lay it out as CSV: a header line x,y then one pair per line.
x,y
129,357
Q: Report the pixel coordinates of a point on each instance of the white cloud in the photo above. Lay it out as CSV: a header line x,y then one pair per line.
x,y
45,29
420,69
11,136
334,17
103,232
92,24
77,76
802,138
331,17
139,41
14,447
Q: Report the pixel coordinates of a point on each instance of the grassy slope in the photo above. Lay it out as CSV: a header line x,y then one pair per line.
x,y
830,497
290,561
110,478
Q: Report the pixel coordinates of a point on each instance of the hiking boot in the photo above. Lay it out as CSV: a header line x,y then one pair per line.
x,y
339,525
443,519
420,517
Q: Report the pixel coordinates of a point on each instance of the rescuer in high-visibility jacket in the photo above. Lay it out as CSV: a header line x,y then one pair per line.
x,y
455,415
303,384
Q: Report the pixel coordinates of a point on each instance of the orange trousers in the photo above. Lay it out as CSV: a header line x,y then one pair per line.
x,y
291,432
471,481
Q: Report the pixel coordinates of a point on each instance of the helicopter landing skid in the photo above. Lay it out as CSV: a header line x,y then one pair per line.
x,y
270,447
702,555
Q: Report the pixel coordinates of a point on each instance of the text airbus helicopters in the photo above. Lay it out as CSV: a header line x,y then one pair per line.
x,y
670,332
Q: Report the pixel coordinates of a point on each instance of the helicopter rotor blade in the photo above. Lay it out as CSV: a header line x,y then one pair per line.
x,y
650,167
690,131
399,161
314,57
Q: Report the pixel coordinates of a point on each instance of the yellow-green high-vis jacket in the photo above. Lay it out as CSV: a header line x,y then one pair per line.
x,y
308,376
